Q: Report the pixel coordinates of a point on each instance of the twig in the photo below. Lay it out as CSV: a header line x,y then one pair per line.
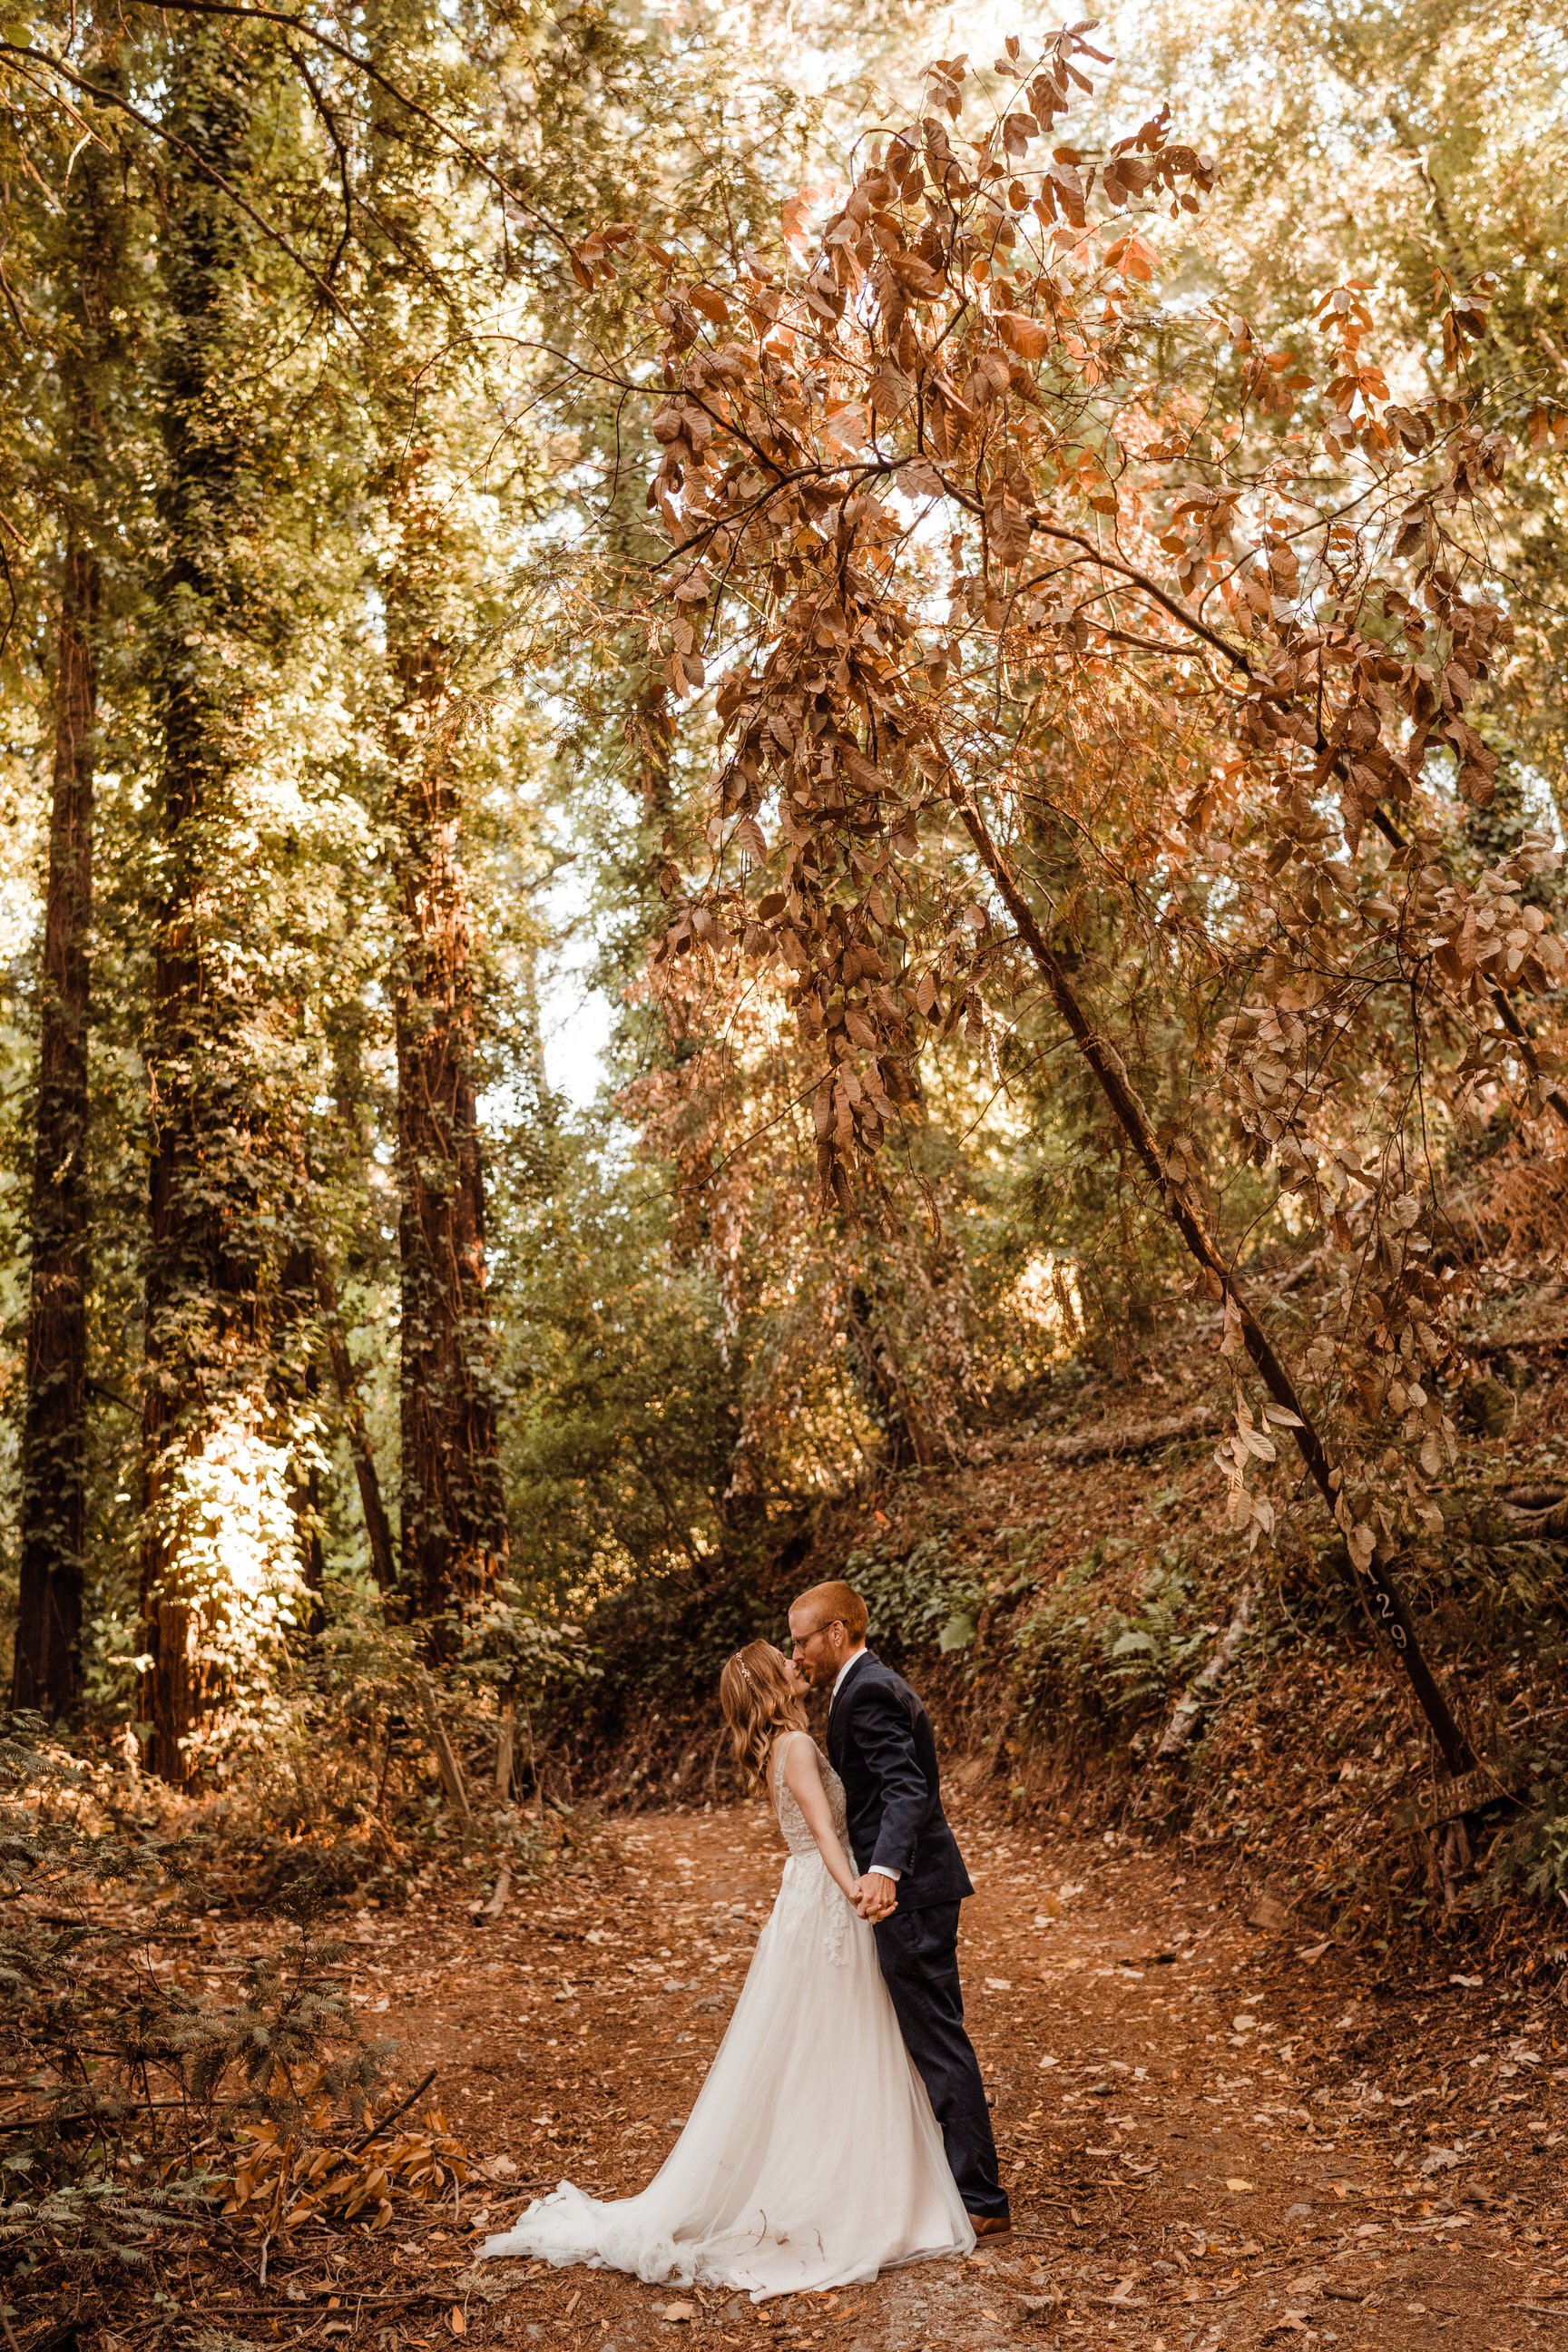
x,y
446,1755
108,1927
437,2294
391,2117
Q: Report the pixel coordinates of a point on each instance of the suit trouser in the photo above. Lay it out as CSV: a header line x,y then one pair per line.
x,y
919,1955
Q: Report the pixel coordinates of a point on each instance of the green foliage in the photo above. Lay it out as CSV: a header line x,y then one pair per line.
x,y
541,1665
1082,1658
925,1599
621,1414
1536,1856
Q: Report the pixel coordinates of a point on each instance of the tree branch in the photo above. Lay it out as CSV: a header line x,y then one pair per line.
x,y
193,155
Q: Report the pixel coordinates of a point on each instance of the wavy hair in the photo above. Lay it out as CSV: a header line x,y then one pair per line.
x,y
758,1699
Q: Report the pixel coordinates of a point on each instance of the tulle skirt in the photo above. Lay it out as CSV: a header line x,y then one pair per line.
x,y
810,2158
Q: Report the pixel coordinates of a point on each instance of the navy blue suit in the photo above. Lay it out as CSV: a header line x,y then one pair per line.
x,y
882,1748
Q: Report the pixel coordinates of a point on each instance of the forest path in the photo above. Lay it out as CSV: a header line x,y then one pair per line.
x,y
1213,2135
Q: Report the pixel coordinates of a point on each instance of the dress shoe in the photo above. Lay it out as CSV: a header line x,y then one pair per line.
x,y
991,2225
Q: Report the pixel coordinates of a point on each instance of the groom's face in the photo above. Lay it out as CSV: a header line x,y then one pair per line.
x,y
820,1648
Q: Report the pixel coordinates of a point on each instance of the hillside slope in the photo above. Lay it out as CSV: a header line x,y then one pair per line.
x,y
1093,1640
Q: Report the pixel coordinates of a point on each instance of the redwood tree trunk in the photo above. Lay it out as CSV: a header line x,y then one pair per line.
x,y
215,1205
46,1669
452,1532
453,1520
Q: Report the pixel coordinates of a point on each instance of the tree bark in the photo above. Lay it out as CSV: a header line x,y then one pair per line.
x,y
1190,1223
217,1191
47,1668
89,265
453,1522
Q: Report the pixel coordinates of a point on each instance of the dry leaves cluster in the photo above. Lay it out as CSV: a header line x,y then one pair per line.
x,y
284,2180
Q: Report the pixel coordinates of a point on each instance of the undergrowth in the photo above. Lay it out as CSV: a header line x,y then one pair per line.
x,y
123,2087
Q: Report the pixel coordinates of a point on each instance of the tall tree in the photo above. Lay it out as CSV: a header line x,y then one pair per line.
x,y
1031,695
453,1521
47,1664
219,1539
88,256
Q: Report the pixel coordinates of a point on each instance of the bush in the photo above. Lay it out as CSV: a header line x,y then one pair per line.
x,y
1095,1662
925,1599
119,2077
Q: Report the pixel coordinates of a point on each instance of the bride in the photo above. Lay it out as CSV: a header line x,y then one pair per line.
x,y
810,2158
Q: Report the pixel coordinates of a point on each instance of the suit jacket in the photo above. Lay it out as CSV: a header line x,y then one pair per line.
x,y
881,1745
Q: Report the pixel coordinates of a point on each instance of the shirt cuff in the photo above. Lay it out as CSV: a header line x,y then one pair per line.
x,y
881,1870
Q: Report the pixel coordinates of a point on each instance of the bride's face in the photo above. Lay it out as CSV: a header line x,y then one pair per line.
x,y
798,1675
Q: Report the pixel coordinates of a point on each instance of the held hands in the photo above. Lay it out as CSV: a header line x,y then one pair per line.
x,y
876,1896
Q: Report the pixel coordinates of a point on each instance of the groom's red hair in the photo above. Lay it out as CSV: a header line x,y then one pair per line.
x,y
827,1602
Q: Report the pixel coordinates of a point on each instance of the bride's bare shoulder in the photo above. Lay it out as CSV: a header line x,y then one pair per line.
x,y
796,1755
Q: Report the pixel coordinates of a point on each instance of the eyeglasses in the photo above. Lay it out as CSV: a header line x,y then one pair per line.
x,y
804,1641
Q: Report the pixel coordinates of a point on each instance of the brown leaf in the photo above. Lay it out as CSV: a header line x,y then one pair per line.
x,y
1026,336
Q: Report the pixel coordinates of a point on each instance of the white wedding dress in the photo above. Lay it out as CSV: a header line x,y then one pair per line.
x,y
810,2158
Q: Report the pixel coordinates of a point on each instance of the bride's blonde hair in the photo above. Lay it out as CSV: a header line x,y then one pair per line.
x,y
760,1699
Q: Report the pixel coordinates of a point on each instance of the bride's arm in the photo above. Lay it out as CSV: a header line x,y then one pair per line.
x,y
803,1778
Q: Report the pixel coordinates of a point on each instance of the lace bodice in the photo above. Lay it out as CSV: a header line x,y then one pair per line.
x,y
792,1821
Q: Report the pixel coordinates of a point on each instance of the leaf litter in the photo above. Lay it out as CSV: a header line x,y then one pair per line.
x,y
1241,2147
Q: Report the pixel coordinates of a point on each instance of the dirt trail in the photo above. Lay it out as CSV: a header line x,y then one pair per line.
x,y
1214,2134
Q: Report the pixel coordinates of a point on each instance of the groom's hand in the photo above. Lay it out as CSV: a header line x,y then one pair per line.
x,y
876,1896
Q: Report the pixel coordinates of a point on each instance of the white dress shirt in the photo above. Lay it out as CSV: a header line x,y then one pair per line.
x,y
839,1679
844,1671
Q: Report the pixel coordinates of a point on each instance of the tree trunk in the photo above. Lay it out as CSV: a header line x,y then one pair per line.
x,y
1190,1223
454,1538
219,1538
377,1529
46,1669
297,1382
452,1522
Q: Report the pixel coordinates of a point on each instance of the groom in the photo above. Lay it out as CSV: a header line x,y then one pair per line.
x,y
913,1880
